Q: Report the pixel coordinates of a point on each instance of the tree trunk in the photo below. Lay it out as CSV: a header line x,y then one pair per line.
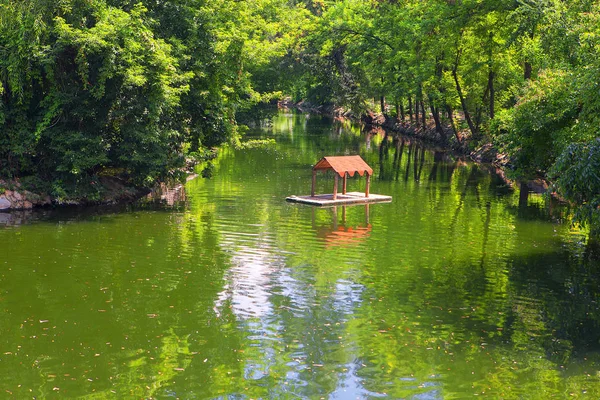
x,y
417,121
527,70
436,118
463,103
410,109
492,94
479,109
382,104
452,125
490,88
419,104
400,110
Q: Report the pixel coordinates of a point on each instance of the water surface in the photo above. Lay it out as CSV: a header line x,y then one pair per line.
x,y
453,290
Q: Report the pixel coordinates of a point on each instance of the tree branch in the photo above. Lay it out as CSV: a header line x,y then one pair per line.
x,y
365,35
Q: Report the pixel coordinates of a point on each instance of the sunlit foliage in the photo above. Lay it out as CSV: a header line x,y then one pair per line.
x,y
131,87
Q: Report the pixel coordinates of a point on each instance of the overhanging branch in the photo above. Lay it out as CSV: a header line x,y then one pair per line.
x,y
365,35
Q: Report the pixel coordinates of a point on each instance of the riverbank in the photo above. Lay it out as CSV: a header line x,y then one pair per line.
x,y
459,143
109,190
478,151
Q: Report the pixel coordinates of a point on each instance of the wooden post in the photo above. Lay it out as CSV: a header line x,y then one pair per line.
x,y
345,179
314,183
368,184
335,185
344,215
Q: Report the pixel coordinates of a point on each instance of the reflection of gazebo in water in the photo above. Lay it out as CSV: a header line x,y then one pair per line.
x,y
342,166
343,235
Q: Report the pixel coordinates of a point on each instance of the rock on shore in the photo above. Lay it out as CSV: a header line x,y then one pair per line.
x,y
114,190
18,199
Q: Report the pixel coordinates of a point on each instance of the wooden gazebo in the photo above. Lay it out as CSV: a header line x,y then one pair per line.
x,y
342,166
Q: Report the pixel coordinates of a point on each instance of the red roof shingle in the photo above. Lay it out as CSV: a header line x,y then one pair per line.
x,y
344,164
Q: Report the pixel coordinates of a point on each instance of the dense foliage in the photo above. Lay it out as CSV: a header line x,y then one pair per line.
x,y
523,74
113,86
135,86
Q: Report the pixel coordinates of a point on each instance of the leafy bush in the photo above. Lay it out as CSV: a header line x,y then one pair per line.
x,y
577,179
541,124
84,96
92,86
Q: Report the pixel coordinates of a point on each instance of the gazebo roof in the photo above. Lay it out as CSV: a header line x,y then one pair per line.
x,y
344,164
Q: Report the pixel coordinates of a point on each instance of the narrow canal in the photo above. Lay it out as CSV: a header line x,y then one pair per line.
x,y
453,290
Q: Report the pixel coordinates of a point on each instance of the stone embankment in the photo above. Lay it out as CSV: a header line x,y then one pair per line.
x,y
17,198
112,191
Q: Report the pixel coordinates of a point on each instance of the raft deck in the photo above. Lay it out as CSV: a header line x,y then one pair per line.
x,y
348,198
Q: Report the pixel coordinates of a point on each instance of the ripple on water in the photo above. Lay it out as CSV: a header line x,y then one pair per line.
x,y
451,290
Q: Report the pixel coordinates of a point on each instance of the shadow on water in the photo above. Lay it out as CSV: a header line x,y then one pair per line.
x,y
163,198
414,160
563,289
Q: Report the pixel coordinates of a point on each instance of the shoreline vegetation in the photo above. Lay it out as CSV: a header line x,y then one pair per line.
x,y
130,90
483,153
114,190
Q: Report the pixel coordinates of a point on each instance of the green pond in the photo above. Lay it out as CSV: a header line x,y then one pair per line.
x,y
454,290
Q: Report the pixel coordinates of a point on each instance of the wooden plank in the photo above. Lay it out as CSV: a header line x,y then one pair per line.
x,y
324,200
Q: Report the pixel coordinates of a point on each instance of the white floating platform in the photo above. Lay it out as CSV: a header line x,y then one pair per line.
x,y
348,198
